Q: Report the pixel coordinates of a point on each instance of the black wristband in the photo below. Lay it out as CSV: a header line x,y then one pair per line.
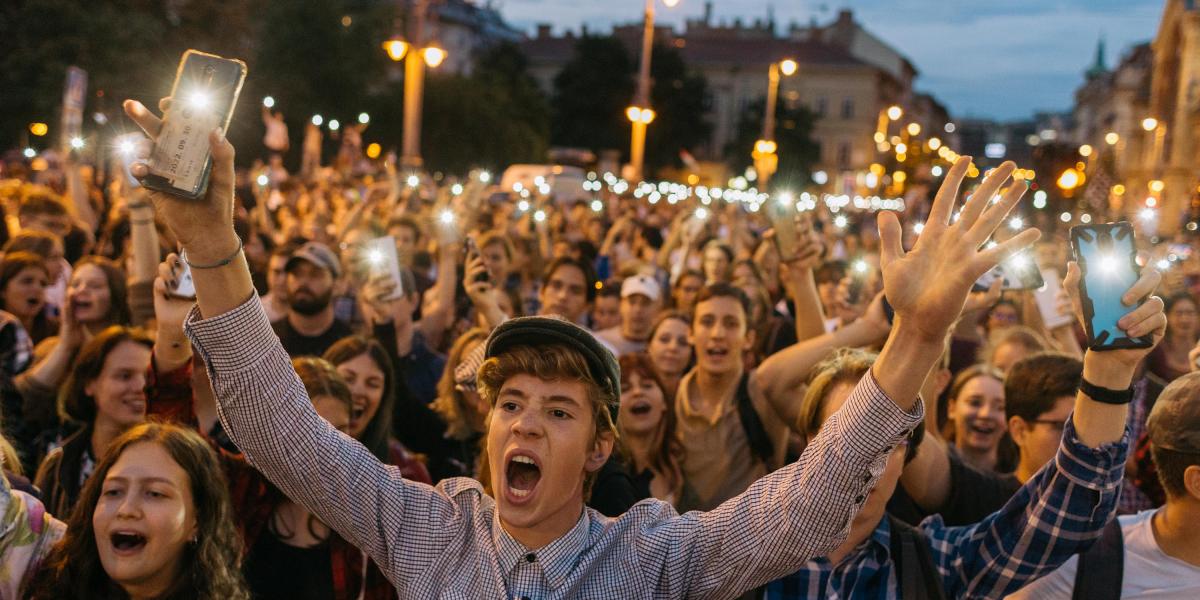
x,y
1105,395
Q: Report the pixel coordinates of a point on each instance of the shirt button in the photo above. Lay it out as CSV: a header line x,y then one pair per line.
x,y
530,557
867,478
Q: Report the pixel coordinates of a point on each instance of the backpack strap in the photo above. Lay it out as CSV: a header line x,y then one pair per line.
x,y
919,577
756,434
1101,568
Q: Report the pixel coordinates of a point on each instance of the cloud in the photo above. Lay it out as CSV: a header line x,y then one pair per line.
x,y
997,59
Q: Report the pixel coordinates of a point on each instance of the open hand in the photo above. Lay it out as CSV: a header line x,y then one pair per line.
x,y
203,226
928,285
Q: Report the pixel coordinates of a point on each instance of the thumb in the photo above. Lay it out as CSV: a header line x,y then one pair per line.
x,y
890,248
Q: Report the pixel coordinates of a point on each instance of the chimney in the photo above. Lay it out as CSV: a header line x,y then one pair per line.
x,y
708,9
845,16
583,32
543,31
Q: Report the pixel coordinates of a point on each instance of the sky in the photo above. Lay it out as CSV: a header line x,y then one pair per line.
x,y
1002,59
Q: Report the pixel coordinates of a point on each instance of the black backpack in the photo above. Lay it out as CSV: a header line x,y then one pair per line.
x,y
1101,568
756,434
918,576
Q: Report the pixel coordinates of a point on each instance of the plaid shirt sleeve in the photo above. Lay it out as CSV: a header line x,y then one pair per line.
x,y
799,512
264,408
1058,513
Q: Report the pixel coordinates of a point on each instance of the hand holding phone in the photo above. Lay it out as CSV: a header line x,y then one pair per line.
x,y
1106,257
185,287
384,262
473,253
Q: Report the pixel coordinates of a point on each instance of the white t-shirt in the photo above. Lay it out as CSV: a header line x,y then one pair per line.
x,y
1149,573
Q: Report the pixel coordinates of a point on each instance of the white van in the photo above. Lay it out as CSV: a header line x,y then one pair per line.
x,y
566,182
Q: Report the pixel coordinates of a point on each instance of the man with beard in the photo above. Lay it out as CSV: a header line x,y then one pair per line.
x,y
309,328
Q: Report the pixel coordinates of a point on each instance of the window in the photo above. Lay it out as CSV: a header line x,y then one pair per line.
x,y
848,108
843,154
822,106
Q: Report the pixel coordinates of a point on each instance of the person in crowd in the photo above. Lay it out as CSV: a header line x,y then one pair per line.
x,y
44,212
606,310
275,302
1154,553
309,328
976,417
497,252
50,249
416,360
685,290
1000,316
669,350
452,440
1169,360
23,282
647,425
568,288
27,533
1008,345
718,262
155,521
641,299
565,398
365,366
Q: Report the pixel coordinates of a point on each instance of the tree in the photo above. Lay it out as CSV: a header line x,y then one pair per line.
x,y
797,151
678,98
591,94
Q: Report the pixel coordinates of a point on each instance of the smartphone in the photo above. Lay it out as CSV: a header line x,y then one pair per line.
x,y
1106,256
783,220
1019,272
383,261
1047,301
186,288
473,250
203,97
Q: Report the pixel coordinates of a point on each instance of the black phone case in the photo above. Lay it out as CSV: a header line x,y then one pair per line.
x,y
191,65
1103,340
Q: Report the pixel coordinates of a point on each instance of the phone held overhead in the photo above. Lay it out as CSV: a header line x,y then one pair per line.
x,y
1107,261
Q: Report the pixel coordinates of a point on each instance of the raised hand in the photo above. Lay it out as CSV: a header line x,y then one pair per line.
x,y
203,226
1148,318
928,285
170,311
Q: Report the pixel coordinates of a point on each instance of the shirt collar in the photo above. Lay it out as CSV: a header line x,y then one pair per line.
x,y
556,559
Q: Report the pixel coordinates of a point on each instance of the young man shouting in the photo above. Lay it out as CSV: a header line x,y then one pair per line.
x,y
554,393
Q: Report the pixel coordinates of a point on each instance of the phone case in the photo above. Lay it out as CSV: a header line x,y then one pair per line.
x,y
1047,301
203,98
1106,256
186,287
385,261
783,219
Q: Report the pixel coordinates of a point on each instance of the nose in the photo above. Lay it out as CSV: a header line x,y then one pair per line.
x,y
130,506
527,424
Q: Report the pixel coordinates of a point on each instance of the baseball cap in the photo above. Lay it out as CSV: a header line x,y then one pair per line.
x,y
641,284
318,254
542,331
1174,422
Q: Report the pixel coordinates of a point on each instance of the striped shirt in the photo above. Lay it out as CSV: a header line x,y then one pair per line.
x,y
1058,513
447,541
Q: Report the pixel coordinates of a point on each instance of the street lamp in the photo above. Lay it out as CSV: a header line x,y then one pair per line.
x,y
416,54
765,160
641,99
1149,123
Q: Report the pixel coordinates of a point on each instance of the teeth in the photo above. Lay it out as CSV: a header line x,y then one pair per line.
x,y
524,460
519,493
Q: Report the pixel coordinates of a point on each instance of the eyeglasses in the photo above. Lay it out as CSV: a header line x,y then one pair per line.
x,y
1059,425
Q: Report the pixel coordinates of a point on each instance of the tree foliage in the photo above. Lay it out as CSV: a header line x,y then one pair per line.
x,y
797,150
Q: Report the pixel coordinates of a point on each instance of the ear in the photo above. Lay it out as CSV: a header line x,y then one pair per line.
x,y
89,389
951,409
1191,481
601,450
749,343
941,379
1017,429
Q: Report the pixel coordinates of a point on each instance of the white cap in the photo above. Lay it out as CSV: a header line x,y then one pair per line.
x,y
641,284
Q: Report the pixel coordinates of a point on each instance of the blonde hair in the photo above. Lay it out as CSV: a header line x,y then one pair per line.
x,y
554,362
847,365
450,404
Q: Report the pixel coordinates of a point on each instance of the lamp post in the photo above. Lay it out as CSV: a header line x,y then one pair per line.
x,y
765,159
639,113
416,54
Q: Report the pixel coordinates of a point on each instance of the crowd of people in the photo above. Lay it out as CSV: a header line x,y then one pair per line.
x,y
621,397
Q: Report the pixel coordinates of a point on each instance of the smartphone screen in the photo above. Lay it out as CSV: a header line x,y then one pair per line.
x,y
383,261
186,288
1106,256
1019,272
1047,301
203,97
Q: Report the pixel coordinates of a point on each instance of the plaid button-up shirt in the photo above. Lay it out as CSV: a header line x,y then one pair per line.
x,y
1058,513
447,541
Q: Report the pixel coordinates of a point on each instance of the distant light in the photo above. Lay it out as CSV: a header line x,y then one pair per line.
x,y
523,205
447,217
125,147
433,56
456,189
918,227
914,129
1157,186
539,216
597,206
1019,261
364,118
1016,223
317,120
1085,150
935,143
840,221
820,177
1149,123
484,176
895,112
1032,139
702,213
995,150
1111,138
949,128
901,148
269,102
1163,264
373,150
38,129
1039,199
334,124
860,266
1085,218
1148,214
263,180
413,181
936,171
787,66
1118,190
1065,217
30,153
77,142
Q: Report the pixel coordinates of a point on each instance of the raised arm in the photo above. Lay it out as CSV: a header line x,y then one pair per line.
x,y
262,402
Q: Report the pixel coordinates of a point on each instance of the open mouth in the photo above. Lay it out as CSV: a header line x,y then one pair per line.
x,y
717,352
982,428
523,475
127,542
640,409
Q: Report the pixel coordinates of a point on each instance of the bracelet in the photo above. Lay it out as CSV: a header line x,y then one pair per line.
x,y
139,205
1105,395
217,264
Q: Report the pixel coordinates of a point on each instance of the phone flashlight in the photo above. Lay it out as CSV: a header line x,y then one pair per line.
x,y
1163,264
125,147
364,118
860,267
918,227
413,181
539,216
317,120
447,217
263,180
375,257
77,143
1108,263
597,206
523,205
1019,261
269,102
334,124
456,189
840,221
485,176
701,213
